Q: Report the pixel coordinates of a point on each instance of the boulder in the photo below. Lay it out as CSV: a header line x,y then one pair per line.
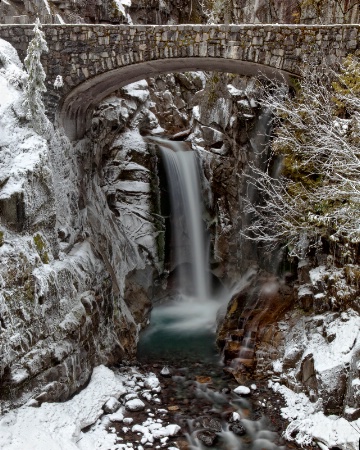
x,y
112,405
135,405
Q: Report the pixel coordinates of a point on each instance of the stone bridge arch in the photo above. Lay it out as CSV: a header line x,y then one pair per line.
x,y
95,60
75,112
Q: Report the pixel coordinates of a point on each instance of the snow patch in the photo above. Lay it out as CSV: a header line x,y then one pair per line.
x,y
234,91
57,426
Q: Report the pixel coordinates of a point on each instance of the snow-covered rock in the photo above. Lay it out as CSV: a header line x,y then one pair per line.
x,y
151,431
320,355
118,416
152,382
235,417
308,423
112,405
135,405
242,390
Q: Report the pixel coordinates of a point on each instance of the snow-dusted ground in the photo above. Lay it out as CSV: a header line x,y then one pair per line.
x,y
308,423
58,426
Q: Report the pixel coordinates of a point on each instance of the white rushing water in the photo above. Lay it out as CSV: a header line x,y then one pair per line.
x,y
186,205
195,308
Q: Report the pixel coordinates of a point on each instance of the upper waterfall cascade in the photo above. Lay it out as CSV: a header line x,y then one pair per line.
x,y
186,205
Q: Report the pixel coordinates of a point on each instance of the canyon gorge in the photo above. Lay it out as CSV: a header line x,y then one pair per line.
x,y
88,253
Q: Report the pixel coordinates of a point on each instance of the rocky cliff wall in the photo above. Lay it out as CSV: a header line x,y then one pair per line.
x,y
77,245
160,12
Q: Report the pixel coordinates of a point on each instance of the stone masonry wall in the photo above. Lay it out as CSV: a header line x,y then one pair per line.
x,y
84,52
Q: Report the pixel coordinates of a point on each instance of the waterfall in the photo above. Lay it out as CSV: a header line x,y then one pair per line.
x,y
193,307
182,326
187,225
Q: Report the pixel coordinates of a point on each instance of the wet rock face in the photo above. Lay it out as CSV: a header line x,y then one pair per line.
x,y
249,333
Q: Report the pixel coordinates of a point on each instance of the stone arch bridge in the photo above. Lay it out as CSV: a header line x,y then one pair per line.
x,y
95,60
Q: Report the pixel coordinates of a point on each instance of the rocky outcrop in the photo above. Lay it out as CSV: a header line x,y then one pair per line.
x,y
173,97
75,222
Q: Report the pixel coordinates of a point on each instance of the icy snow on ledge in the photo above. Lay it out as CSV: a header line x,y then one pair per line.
x,y
309,337
309,424
57,426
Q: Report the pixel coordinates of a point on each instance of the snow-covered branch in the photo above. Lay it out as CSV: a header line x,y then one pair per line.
x,y
317,139
35,85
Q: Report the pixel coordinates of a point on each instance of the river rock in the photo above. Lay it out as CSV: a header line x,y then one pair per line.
x,y
238,429
165,372
169,430
207,437
135,405
118,416
210,423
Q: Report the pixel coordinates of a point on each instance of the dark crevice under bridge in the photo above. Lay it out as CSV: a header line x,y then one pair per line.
x,y
96,60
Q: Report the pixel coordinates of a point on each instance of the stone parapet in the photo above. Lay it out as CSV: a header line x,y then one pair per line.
x,y
95,60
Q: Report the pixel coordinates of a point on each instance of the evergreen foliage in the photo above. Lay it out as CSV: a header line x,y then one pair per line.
x,y
35,86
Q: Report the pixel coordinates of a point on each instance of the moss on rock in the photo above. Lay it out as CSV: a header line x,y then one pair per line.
x,y
41,248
